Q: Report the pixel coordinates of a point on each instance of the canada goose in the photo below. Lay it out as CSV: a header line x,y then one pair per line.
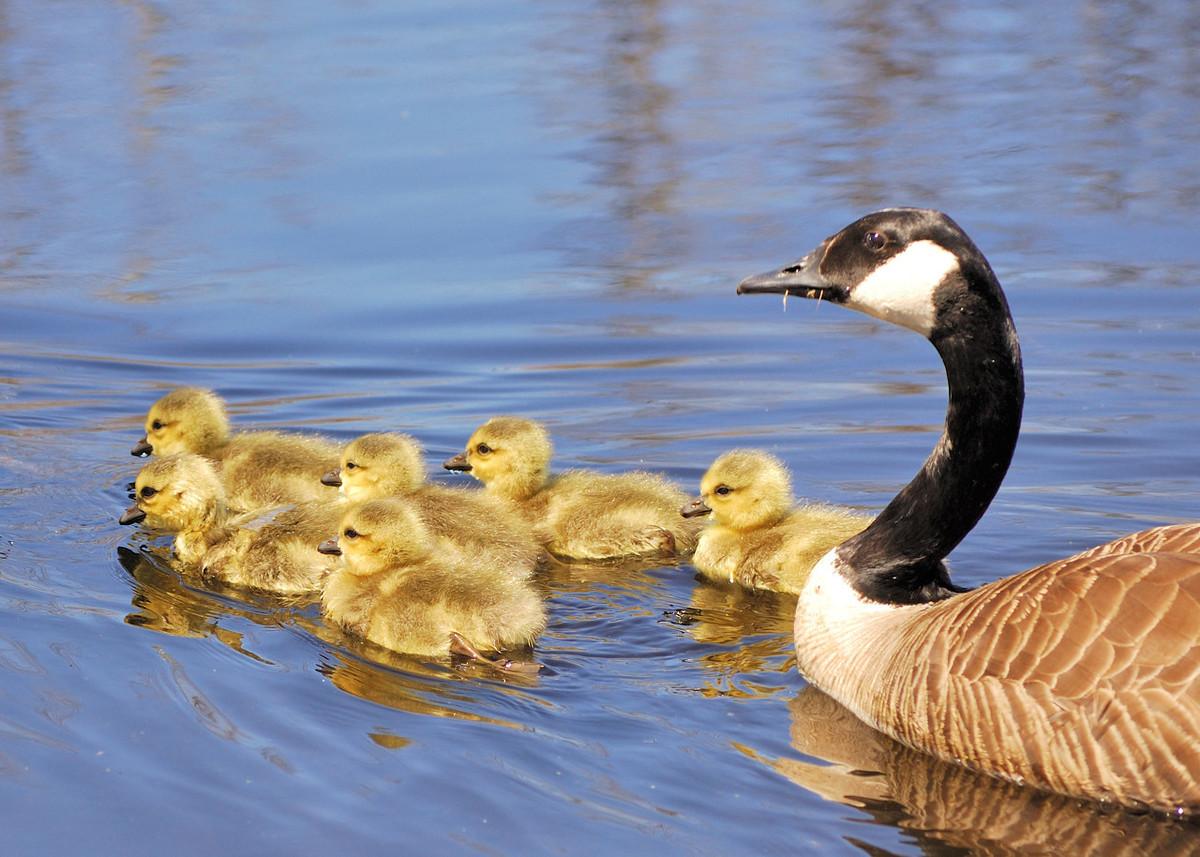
x,y
1080,676
259,469
578,514
403,588
182,494
376,466
758,537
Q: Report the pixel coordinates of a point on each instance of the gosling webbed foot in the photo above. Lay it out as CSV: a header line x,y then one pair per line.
x,y
460,645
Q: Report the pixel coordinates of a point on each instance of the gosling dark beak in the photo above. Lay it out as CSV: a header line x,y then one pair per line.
x,y
330,547
333,478
802,278
142,448
132,515
457,462
694,508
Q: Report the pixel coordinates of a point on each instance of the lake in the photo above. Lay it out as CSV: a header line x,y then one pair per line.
x,y
357,216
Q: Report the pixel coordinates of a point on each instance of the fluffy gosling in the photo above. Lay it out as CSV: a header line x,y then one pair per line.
x,y
578,514
376,466
258,469
402,587
758,537
182,494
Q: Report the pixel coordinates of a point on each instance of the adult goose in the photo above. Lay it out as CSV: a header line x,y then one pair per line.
x,y
1080,676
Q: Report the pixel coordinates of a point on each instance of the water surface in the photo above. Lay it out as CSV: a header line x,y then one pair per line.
x,y
359,216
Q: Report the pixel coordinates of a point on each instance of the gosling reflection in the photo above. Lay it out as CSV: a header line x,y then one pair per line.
x,y
410,684
754,632
163,603
948,807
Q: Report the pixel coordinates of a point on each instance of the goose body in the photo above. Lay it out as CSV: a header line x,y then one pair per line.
x,y
1080,676
376,466
578,514
182,494
258,469
401,587
758,537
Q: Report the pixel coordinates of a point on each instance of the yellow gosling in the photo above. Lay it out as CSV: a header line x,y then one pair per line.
x,y
376,466
403,588
258,469
758,537
182,494
578,514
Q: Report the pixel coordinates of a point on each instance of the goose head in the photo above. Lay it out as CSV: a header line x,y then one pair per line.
x,y
744,489
913,267
509,455
916,268
188,419
176,493
378,465
380,535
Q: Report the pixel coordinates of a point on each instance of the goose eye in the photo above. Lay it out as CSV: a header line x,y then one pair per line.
x,y
350,465
350,533
483,449
156,425
874,241
148,492
723,490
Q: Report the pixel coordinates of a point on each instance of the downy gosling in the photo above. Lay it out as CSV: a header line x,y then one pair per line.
x,y
182,494
578,514
376,466
758,537
400,586
258,469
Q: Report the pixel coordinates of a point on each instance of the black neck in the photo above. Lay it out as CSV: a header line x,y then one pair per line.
x,y
898,559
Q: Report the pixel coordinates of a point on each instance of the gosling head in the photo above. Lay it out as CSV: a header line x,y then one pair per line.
x,y
176,493
380,535
509,455
188,419
744,489
378,465
913,267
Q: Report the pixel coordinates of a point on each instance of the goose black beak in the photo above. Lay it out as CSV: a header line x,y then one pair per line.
x,y
694,508
802,278
142,448
457,462
330,547
333,478
132,515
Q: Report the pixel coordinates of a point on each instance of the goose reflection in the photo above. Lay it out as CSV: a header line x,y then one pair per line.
x,y
947,808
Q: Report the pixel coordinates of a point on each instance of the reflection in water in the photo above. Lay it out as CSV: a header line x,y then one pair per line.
x,y
165,604
414,686
945,807
753,631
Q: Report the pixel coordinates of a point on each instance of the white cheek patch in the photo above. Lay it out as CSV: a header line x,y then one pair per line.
x,y
901,290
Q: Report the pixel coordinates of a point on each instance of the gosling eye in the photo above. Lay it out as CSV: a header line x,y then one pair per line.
x,y
350,465
723,490
148,492
350,533
483,449
156,425
874,241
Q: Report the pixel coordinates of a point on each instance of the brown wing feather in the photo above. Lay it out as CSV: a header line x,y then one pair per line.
x,y
1081,676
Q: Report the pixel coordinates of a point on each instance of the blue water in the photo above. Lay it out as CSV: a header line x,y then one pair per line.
x,y
353,216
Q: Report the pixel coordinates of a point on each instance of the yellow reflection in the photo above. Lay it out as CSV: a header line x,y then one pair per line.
x,y
945,805
755,631
164,603
405,683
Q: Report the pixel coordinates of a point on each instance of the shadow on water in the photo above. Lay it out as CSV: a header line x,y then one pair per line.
x,y
946,809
